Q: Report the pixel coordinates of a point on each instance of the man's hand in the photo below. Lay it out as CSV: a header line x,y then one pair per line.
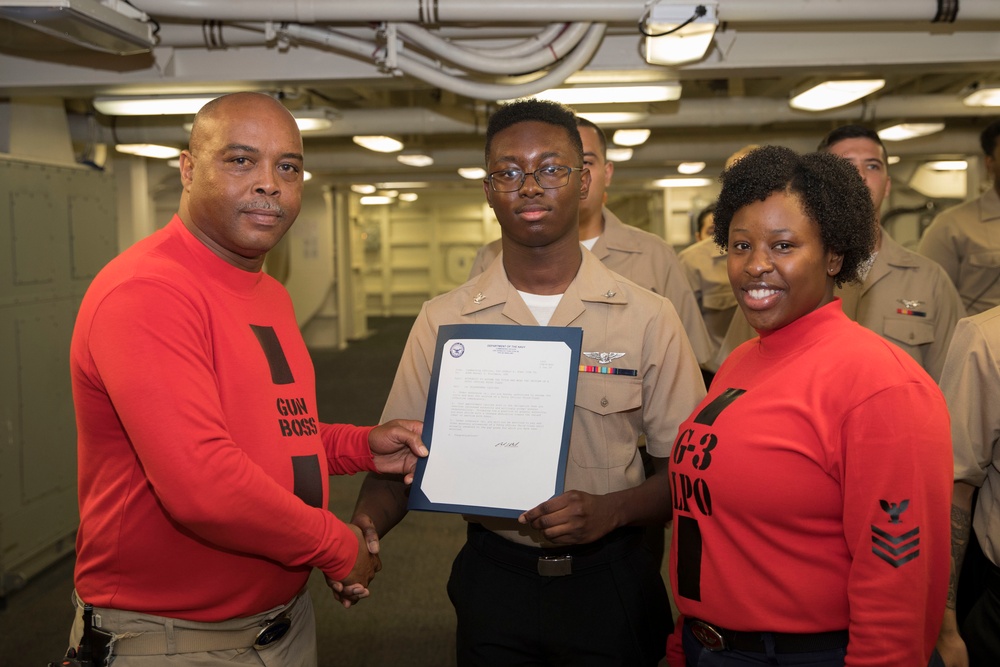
x,y
573,517
396,446
367,526
353,588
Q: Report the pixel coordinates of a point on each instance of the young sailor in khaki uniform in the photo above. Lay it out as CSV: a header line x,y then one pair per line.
x,y
608,606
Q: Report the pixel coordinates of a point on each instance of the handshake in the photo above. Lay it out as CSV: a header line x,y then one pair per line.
x,y
354,587
395,446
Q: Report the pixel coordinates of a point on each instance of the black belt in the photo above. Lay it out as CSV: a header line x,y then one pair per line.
x,y
715,638
555,561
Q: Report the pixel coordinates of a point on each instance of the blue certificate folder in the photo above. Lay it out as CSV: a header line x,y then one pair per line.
x,y
480,354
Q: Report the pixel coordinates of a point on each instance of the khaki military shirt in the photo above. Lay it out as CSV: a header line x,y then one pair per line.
x,y
705,266
971,385
965,240
611,411
906,298
646,260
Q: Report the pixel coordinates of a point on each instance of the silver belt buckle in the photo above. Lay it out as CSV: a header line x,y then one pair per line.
x,y
274,629
555,566
708,636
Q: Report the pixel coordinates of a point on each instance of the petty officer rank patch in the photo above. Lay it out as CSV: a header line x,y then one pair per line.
x,y
895,543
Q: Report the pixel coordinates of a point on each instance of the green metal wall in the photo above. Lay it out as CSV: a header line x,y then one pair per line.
x,y
57,229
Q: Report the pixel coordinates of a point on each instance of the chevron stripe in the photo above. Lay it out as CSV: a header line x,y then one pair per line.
x,y
895,551
895,562
892,538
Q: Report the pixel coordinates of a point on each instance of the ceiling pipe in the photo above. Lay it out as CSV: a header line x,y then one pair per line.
x,y
168,129
548,11
690,113
435,76
655,159
544,55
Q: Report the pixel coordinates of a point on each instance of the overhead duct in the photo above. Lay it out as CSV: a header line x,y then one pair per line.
x,y
86,23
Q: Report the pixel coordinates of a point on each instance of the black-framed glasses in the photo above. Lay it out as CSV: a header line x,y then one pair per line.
x,y
549,178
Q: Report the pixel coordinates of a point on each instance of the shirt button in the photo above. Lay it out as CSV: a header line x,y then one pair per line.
x,y
604,402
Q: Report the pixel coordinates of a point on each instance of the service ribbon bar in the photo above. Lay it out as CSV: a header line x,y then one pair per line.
x,y
907,311
608,370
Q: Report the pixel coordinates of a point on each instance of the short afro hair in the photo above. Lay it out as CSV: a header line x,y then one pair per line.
x,y
829,188
542,111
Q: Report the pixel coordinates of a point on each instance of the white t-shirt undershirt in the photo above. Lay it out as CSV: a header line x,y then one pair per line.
x,y
541,305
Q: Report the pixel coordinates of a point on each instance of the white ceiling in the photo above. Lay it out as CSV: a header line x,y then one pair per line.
x,y
333,54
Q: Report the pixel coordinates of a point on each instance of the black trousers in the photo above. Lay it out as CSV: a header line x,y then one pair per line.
x,y
981,628
603,614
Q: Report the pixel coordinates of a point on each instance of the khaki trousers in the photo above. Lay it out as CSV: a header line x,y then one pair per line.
x,y
296,649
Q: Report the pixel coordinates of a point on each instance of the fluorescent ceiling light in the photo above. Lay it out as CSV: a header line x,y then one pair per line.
x,y
379,143
832,94
401,185
313,124
408,196
416,160
984,96
306,176
149,150
893,159
153,105
472,173
86,23
948,165
312,120
375,200
691,167
904,131
661,92
613,117
682,182
669,41
933,183
633,137
616,154
363,188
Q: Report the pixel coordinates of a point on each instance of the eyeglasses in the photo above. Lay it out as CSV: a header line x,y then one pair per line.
x,y
548,178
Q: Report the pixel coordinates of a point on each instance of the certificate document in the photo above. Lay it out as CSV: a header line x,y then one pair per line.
x,y
498,418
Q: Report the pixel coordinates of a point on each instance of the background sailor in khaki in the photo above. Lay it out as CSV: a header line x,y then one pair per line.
x,y
965,239
905,298
705,266
971,384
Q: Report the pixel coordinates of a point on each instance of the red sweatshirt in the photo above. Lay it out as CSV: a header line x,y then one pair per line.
x,y
203,468
812,493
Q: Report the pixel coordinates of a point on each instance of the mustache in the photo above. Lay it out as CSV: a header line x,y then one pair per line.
x,y
262,205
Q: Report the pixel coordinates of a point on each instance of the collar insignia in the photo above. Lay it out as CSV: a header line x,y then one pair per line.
x,y
608,295
910,303
478,298
604,357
